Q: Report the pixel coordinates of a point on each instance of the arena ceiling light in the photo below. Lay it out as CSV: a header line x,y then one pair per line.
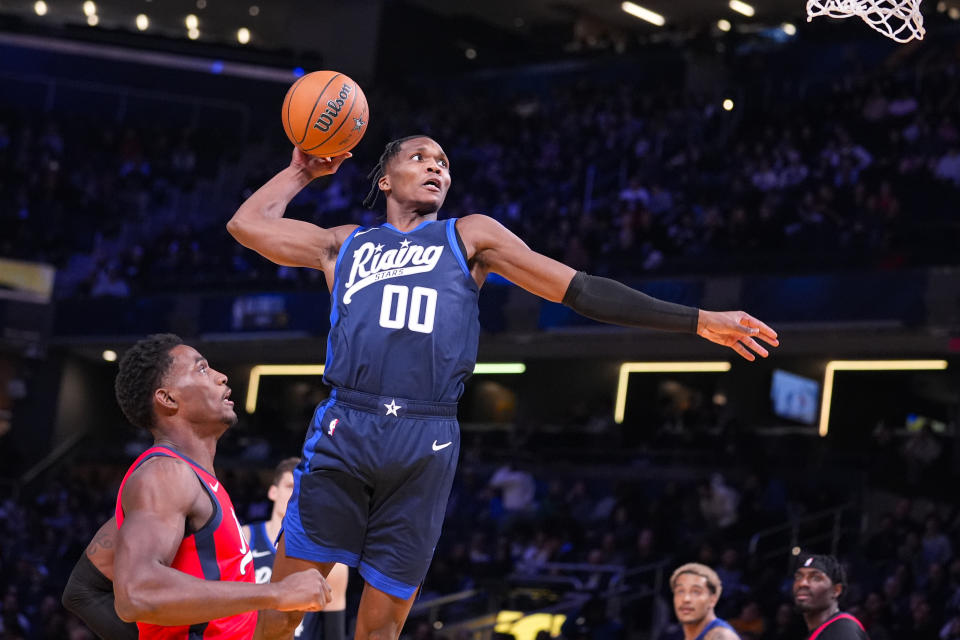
x,y
261,370
143,22
89,8
191,21
499,368
724,25
866,365
658,367
40,8
742,8
243,35
643,13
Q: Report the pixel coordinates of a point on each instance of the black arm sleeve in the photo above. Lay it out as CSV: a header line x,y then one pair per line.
x,y
615,303
89,595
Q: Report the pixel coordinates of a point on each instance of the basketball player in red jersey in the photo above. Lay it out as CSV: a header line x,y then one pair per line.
x,y
182,568
393,545
818,584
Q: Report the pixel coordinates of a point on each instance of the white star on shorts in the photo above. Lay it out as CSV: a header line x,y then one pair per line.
x,y
392,408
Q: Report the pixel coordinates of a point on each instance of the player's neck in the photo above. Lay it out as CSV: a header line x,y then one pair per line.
x,y
691,631
200,450
816,618
407,219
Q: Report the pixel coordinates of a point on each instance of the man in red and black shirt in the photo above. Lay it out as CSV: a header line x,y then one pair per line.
x,y
182,568
818,584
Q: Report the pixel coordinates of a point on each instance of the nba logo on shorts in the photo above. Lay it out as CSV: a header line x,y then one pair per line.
x,y
333,425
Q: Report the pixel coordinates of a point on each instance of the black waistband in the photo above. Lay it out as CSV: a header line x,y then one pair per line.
x,y
393,406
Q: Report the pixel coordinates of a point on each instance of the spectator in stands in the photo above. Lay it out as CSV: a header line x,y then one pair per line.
x,y
718,503
518,488
921,451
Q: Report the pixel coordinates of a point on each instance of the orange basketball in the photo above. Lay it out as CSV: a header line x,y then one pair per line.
x,y
325,113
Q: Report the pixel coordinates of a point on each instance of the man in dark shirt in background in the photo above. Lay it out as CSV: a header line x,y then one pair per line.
x,y
818,583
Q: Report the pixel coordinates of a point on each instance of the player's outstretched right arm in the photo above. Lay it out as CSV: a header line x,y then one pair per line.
x,y
158,500
259,223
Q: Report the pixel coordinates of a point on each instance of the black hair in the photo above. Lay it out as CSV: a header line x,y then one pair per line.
x,y
389,151
141,371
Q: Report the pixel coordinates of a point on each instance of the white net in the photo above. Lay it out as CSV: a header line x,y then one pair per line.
x,y
897,19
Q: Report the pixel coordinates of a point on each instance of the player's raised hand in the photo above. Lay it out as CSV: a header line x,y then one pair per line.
x,y
316,166
737,330
303,591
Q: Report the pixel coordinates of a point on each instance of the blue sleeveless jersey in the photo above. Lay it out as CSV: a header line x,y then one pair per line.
x,y
311,627
403,313
717,622
263,551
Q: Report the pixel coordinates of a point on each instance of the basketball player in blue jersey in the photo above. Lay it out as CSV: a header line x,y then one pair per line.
x,y
329,624
696,590
380,452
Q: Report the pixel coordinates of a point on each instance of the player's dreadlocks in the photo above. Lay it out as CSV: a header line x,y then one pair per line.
x,y
392,149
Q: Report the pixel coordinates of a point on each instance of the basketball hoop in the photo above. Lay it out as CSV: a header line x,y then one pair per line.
x,y
897,19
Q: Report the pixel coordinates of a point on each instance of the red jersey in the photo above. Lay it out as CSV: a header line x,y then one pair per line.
x,y
218,551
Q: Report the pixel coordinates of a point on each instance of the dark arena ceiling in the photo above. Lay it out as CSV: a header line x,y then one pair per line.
x,y
526,29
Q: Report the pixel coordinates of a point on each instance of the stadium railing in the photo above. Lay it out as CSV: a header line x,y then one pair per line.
x,y
811,530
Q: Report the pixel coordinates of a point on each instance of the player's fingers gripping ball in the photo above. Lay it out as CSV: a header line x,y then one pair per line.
x,y
325,113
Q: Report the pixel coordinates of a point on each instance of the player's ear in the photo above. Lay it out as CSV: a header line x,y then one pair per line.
x,y
164,399
272,493
384,183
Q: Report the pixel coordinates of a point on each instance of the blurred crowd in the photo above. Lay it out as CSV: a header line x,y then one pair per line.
x,y
615,178
508,523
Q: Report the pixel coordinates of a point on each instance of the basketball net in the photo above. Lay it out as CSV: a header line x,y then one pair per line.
x,y
897,19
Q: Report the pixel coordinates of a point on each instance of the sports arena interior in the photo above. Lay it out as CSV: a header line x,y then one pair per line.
x,y
805,172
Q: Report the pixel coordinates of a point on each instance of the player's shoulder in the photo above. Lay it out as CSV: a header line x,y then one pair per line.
x,y
722,633
341,233
477,226
475,219
163,474
843,629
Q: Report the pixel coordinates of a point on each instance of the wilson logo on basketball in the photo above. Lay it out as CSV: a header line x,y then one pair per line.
x,y
325,113
333,109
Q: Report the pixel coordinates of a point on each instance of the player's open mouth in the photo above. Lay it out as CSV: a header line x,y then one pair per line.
x,y
432,185
226,398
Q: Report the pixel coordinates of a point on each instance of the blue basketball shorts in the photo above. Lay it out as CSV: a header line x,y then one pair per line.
x,y
372,487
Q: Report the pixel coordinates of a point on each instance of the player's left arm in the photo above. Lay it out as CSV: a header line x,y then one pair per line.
x,y
492,248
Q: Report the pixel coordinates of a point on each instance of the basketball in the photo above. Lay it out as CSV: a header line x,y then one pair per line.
x,y
325,113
